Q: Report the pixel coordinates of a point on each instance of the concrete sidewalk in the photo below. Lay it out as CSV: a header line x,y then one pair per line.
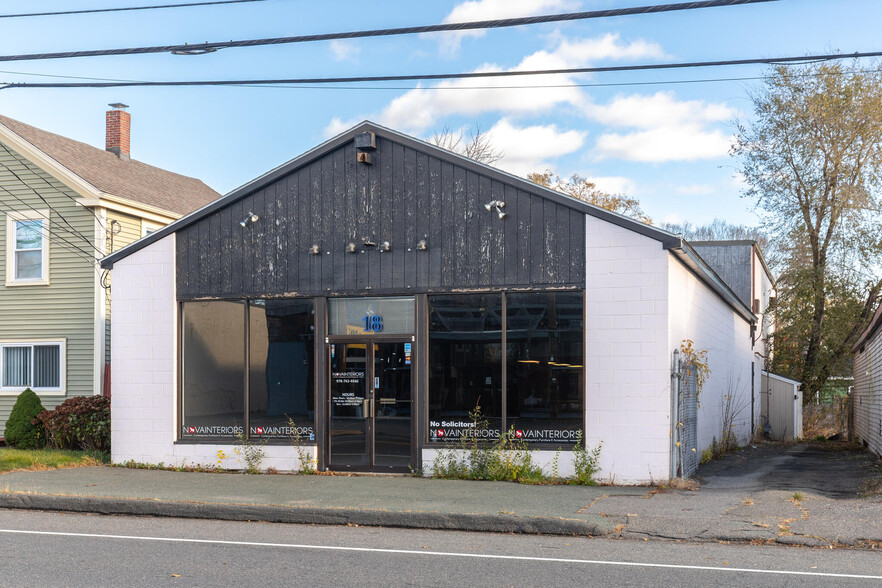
x,y
782,494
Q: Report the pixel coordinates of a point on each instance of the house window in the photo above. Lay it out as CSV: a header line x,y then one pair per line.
x,y
38,366
147,227
27,244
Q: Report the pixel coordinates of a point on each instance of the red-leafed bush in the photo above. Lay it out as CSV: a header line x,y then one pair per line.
x,y
81,422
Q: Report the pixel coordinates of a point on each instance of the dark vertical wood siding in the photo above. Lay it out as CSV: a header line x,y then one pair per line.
x,y
405,196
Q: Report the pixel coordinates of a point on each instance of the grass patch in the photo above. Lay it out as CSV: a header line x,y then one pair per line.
x,y
48,459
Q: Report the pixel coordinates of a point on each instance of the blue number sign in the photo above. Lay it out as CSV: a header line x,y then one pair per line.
x,y
373,323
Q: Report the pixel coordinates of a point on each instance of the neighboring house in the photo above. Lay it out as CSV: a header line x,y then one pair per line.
x,y
866,396
63,206
363,299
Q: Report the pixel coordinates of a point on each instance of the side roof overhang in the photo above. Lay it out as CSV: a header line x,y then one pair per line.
x,y
669,241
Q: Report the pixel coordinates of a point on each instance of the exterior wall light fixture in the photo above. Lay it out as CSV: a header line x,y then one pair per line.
x,y
498,205
350,248
422,244
385,246
251,218
314,249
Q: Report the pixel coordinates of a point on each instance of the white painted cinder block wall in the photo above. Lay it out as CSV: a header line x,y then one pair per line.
x,y
143,364
627,398
697,313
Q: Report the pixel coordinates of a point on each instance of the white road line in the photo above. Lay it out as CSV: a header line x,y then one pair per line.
x,y
443,554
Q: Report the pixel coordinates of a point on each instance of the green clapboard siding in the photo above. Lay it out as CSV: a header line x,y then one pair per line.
x,y
63,309
126,231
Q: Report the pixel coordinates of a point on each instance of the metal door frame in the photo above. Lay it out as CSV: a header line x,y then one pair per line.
x,y
370,379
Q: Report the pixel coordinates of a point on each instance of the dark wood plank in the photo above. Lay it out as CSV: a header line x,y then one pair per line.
x,y
350,232
329,201
182,282
292,244
510,236
525,241
436,237
226,250
315,230
537,240
577,247
409,221
395,262
552,254
338,223
421,209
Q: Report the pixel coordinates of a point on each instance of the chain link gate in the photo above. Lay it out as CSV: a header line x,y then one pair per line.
x,y
686,419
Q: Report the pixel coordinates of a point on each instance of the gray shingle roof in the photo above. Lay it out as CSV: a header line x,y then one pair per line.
x,y
132,180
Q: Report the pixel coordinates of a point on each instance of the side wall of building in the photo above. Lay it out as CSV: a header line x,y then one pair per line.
x,y
63,310
121,230
144,369
698,314
626,352
867,395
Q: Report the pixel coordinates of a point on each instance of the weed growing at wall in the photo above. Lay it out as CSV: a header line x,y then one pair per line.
x,y
508,459
249,451
306,465
694,362
585,462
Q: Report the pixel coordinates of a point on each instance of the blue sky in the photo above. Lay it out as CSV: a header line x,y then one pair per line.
x,y
665,144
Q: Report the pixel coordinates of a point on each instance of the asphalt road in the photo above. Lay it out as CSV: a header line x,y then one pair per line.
x,y
53,549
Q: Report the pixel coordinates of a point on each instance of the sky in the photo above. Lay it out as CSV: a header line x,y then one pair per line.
x,y
659,137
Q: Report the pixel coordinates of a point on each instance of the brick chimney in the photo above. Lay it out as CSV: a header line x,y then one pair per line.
x,y
119,124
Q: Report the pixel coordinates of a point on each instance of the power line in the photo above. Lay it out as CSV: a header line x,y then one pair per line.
x,y
201,48
72,231
454,76
495,87
125,9
47,232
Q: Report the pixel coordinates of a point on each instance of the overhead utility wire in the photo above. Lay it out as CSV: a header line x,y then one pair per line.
x,y
125,9
201,48
453,76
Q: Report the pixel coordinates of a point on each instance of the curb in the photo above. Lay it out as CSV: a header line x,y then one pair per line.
x,y
309,516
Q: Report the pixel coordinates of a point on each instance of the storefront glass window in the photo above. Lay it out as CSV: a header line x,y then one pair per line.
x,y
465,366
544,366
282,369
370,316
213,369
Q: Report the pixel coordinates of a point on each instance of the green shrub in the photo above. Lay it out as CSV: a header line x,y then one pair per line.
x,y
81,422
22,429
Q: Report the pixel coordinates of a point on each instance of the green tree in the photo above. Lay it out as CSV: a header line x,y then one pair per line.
x,y
583,189
811,159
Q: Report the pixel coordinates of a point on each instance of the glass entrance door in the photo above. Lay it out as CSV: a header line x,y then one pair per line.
x,y
370,405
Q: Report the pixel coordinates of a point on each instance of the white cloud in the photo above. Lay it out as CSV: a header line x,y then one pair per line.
x,y
344,49
338,125
527,149
614,184
477,10
668,129
659,109
420,109
685,143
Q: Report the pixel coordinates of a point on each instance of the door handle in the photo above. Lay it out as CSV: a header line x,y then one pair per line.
x,y
366,407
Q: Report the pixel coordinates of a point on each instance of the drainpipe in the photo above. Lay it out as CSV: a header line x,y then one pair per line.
x,y
675,415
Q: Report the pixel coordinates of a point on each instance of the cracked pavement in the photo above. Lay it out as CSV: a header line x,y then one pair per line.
x,y
803,494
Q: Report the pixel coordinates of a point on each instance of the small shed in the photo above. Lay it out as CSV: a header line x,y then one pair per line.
x,y
365,298
781,400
